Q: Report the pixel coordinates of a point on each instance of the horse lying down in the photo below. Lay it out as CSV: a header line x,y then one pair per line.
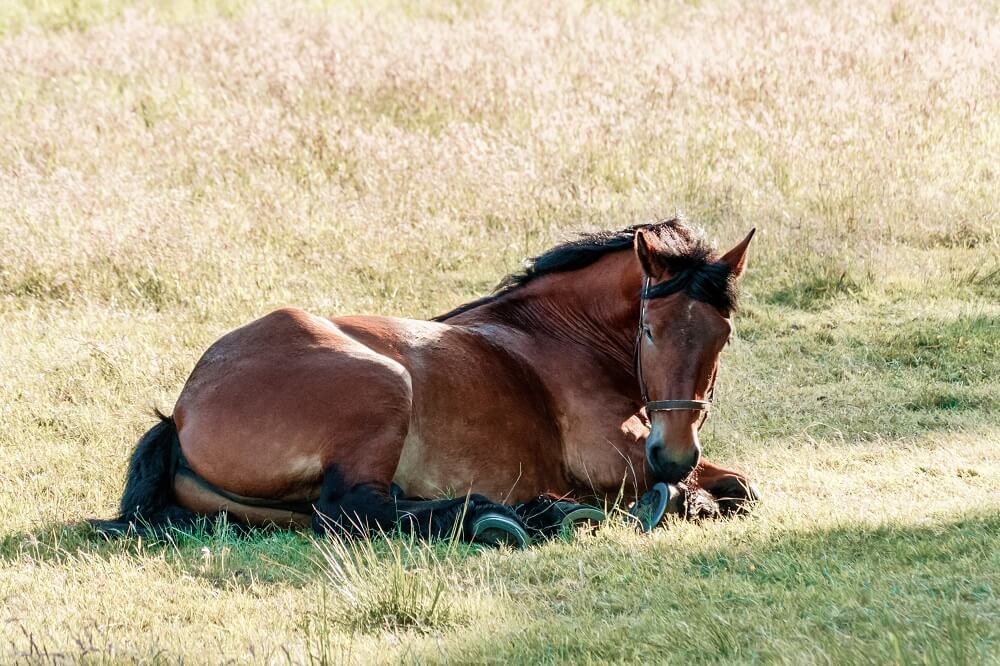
x,y
590,371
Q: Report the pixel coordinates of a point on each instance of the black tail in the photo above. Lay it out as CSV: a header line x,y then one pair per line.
x,y
148,505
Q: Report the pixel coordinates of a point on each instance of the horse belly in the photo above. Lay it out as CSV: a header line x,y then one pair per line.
x,y
456,454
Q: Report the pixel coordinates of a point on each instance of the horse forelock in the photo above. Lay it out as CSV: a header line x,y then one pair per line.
x,y
711,282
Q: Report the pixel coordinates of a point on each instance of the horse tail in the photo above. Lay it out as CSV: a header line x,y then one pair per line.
x,y
148,505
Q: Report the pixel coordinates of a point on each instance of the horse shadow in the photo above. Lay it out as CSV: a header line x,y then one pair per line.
x,y
223,554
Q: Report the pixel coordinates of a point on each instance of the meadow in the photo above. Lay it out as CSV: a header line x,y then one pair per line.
x,y
169,171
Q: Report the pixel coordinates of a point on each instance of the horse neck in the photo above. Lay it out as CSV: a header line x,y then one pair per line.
x,y
595,308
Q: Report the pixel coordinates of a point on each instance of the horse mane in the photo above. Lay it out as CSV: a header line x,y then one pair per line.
x,y
693,263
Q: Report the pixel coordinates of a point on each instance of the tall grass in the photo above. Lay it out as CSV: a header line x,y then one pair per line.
x,y
171,171
390,585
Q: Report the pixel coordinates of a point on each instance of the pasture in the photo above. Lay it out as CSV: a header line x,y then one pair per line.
x,y
169,172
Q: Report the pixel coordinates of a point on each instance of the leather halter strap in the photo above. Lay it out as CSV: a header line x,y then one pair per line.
x,y
677,405
662,405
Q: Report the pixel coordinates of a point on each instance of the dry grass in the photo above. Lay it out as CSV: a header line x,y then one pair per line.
x,y
169,172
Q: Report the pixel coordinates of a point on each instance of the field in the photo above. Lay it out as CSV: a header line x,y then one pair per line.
x,y
171,171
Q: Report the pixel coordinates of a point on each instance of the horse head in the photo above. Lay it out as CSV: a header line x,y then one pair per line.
x,y
686,305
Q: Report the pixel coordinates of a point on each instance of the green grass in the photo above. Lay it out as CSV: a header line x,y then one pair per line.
x,y
171,171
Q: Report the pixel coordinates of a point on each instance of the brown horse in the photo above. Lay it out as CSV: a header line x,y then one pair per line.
x,y
539,388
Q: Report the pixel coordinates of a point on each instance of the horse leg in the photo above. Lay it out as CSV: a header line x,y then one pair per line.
x,y
548,517
363,508
734,492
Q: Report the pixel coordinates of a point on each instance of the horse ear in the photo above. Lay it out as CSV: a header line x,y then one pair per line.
x,y
737,257
646,249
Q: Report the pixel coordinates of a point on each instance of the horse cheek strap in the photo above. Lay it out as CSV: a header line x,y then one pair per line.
x,y
660,405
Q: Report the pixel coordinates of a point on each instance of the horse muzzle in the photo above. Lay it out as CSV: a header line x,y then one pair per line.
x,y
670,464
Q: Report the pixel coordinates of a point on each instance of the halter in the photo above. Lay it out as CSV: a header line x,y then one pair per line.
x,y
663,405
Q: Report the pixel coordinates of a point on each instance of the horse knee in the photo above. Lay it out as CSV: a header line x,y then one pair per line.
x,y
352,509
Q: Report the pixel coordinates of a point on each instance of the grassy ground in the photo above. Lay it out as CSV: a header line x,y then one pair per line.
x,y
169,173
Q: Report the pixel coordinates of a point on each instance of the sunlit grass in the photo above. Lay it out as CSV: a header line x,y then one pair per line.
x,y
171,170
383,585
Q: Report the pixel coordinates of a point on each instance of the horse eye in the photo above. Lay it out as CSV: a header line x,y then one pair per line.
x,y
648,332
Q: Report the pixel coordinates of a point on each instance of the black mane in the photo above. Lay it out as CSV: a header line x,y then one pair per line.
x,y
692,262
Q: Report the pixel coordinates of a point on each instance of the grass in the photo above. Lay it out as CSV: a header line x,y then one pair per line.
x,y
169,172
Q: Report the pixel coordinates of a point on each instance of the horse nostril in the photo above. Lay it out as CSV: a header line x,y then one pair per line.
x,y
656,454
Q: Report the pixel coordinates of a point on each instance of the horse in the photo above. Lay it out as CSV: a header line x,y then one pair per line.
x,y
541,388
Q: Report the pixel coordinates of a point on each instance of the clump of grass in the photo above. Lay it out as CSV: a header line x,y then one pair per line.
x,y
35,284
815,291
983,279
381,584
953,399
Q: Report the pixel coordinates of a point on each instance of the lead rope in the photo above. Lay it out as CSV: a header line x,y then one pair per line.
x,y
711,399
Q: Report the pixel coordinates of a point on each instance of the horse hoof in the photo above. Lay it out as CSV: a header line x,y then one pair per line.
x,y
736,496
495,529
649,508
701,505
582,515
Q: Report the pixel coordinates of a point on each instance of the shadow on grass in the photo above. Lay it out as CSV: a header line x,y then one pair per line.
x,y
219,554
849,594
857,594
225,557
